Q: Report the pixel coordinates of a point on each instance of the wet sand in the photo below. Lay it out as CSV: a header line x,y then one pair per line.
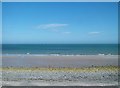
x,y
59,61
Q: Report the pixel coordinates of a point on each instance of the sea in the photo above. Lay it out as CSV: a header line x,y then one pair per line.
x,y
60,49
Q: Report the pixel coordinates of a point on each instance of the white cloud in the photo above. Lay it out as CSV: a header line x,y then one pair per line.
x,y
94,33
51,26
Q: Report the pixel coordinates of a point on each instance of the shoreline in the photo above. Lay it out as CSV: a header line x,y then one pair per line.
x,y
29,54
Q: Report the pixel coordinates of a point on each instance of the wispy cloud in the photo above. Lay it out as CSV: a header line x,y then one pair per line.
x,y
66,32
94,33
51,26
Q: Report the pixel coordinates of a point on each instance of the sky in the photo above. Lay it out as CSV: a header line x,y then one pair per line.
x,y
60,22
0,24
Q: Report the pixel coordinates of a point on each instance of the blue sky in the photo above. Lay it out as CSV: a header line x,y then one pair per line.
x,y
0,24
50,22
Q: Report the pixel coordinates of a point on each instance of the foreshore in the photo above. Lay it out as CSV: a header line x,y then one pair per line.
x,y
82,70
59,61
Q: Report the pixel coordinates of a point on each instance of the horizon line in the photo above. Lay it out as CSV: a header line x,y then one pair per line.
x,y
59,1
59,43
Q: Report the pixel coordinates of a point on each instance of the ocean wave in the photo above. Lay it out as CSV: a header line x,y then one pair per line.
x,y
29,54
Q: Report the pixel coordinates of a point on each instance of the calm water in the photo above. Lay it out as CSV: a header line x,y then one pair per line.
x,y
61,49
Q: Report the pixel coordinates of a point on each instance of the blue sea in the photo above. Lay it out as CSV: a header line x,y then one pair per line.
x,y
61,49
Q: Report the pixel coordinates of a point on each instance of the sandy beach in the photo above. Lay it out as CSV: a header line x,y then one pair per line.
x,y
59,61
82,70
